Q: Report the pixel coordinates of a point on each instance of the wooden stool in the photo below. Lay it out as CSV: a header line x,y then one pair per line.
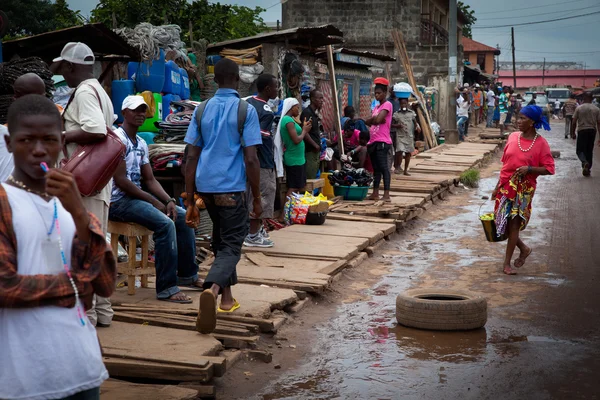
x,y
132,267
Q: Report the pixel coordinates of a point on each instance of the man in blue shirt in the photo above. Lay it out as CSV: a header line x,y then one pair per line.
x,y
218,161
266,84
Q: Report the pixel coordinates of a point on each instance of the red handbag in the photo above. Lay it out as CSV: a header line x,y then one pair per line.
x,y
93,165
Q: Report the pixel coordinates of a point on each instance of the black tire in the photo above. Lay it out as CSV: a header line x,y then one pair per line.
x,y
441,309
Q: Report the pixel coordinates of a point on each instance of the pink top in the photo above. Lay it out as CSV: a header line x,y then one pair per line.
x,y
381,133
514,157
354,139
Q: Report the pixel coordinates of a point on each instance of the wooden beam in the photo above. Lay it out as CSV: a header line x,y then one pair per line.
x,y
336,106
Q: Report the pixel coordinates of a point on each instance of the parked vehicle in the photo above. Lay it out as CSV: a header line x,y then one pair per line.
x,y
560,94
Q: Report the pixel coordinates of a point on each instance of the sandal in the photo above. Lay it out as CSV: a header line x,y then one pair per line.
x,y
520,261
207,315
235,306
198,285
509,271
185,300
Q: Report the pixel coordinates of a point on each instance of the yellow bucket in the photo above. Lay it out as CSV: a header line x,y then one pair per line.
x,y
489,227
327,189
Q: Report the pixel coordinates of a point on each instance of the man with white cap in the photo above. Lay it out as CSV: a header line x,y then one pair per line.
x,y
174,241
86,116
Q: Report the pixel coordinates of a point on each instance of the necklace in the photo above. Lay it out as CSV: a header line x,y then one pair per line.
x,y
23,186
51,228
532,143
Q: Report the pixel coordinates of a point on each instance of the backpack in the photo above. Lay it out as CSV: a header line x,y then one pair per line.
x,y
241,120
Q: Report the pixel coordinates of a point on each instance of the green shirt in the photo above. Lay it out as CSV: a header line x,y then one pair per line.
x,y
294,153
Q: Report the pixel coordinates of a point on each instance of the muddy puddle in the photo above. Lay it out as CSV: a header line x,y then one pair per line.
x,y
362,353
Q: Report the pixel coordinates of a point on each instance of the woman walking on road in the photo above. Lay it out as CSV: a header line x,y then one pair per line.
x,y
526,156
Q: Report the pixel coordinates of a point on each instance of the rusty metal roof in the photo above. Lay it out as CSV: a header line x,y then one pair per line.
x,y
47,46
311,37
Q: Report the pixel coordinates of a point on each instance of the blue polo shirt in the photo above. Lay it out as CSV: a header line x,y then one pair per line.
x,y
221,168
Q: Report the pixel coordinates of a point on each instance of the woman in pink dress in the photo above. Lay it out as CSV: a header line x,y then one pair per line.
x,y
526,156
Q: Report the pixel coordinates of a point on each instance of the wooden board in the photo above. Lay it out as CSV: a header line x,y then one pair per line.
x,y
255,301
373,232
312,245
113,389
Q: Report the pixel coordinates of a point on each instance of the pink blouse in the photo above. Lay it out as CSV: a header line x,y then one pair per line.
x,y
514,157
381,133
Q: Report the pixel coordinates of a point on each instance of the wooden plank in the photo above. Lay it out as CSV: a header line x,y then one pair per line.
x,y
333,269
133,354
345,217
151,370
113,389
302,245
263,261
371,231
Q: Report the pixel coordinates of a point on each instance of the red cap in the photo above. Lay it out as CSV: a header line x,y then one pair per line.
x,y
381,81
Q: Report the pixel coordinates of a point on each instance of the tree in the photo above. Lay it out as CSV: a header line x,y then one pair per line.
x,y
32,17
469,16
213,22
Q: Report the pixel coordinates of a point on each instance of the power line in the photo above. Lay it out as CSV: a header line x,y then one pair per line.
x,y
529,8
548,13
534,22
555,52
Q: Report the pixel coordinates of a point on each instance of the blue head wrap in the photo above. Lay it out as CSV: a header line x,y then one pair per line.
x,y
536,114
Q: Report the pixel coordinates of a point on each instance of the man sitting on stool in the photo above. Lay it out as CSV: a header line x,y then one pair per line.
x,y
175,242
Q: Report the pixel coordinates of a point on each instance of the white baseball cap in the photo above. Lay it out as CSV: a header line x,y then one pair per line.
x,y
466,85
76,53
477,85
133,102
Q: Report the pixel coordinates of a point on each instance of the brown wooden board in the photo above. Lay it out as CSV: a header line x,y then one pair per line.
x,y
361,218
113,389
373,232
126,368
315,245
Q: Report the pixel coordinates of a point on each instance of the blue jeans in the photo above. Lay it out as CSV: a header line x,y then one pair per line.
x,y
90,394
490,116
462,121
174,243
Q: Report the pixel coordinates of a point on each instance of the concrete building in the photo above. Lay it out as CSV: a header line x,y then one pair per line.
x,y
367,26
480,55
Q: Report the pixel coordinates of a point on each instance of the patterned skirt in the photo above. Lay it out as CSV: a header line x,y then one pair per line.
x,y
513,200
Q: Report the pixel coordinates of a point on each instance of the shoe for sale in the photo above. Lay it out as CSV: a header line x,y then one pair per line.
x,y
257,241
586,169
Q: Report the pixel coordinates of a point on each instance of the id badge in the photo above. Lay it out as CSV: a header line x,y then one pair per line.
x,y
52,257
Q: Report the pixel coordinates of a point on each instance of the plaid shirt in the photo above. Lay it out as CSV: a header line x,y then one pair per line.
x,y
93,268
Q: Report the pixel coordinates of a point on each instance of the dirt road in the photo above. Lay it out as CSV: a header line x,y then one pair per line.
x,y
542,339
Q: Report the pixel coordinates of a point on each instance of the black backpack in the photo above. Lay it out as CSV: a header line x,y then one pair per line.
x,y
241,120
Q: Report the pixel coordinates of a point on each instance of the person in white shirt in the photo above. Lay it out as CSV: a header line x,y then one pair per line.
x,y
6,159
491,106
86,116
463,103
557,108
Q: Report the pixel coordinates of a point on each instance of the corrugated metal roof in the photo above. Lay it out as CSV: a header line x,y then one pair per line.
x,y
310,36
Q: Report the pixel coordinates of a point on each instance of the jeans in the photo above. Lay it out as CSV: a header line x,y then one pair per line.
x,y
379,154
490,116
174,243
568,121
585,145
230,218
90,394
461,123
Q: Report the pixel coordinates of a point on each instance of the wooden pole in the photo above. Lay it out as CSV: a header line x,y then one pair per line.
x,y
512,35
336,106
191,30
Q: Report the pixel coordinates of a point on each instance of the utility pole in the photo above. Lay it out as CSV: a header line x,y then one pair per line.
x,y
544,71
512,35
584,68
451,133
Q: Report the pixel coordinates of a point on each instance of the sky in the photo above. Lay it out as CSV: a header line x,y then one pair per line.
x,y
569,40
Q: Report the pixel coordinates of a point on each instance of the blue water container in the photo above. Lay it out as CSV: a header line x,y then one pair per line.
x,y
213,59
185,84
147,136
166,107
149,75
172,78
120,90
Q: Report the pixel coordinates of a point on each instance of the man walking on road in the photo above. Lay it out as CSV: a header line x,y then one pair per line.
x,y
587,120
221,155
568,111
491,106
86,116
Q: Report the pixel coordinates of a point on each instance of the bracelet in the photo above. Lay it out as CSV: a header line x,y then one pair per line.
x,y
529,169
171,200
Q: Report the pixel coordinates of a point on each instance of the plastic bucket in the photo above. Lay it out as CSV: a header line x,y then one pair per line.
x,y
358,193
489,227
402,95
119,90
185,84
172,78
149,75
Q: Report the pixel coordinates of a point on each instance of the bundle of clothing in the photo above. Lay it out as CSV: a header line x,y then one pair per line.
x,y
163,156
351,176
174,128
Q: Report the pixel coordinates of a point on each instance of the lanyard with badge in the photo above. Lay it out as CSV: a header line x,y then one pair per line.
x,y
54,253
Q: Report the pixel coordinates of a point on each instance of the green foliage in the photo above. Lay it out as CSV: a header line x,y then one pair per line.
x,y
470,16
32,17
214,22
470,178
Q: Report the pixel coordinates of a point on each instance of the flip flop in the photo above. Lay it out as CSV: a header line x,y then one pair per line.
x,y
520,261
207,315
510,271
193,286
171,300
236,305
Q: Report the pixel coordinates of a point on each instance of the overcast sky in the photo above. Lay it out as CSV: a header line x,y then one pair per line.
x,y
569,40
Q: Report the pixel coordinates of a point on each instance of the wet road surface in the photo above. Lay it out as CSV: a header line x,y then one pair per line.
x,y
542,339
